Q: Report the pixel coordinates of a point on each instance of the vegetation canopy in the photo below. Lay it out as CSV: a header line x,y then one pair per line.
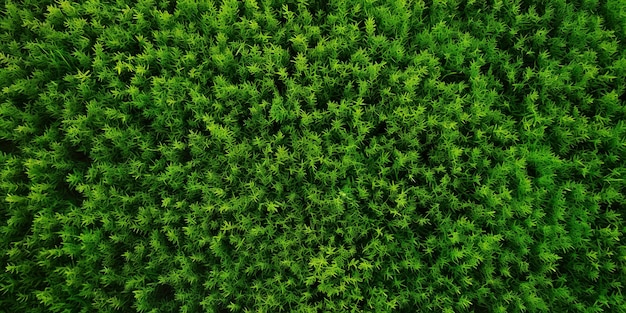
x,y
313,156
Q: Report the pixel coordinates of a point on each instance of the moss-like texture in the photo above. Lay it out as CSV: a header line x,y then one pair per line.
x,y
312,156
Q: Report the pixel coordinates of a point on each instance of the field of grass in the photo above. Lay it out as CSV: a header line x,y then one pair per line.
x,y
313,156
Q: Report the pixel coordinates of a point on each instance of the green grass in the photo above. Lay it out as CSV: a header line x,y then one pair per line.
x,y
312,156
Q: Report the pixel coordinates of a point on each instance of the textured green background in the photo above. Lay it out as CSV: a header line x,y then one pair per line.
x,y
312,156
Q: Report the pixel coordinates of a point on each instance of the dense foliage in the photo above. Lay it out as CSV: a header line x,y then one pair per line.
x,y
313,156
